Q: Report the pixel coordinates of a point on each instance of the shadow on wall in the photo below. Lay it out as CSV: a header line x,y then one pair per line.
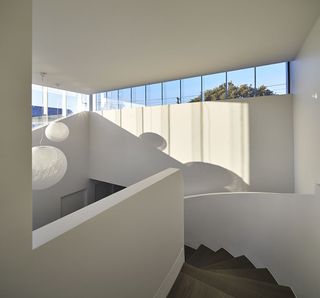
x,y
251,139
154,140
200,177
214,133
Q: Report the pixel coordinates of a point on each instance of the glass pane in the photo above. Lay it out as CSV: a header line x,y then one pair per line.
x,y
72,103
272,79
191,89
84,105
171,92
154,94
214,87
138,96
241,83
112,100
100,101
38,117
125,98
54,104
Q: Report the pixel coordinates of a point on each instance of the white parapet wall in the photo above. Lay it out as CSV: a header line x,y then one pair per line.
x,y
129,244
277,231
250,139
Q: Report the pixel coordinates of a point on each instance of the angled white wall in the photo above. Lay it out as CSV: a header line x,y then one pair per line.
x,y
119,157
250,139
47,202
306,89
114,247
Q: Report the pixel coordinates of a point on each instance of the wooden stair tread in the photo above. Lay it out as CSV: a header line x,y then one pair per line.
x,y
237,286
261,274
188,252
204,256
235,263
188,287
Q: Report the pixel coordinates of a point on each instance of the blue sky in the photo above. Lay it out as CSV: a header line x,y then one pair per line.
x,y
273,76
54,98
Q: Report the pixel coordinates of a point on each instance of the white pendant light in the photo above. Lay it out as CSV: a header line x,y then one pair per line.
x,y
49,165
57,131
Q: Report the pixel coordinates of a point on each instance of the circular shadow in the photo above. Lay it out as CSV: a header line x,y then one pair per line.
x,y
154,140
201,177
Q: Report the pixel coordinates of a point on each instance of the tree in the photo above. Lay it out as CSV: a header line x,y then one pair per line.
x,y
242,91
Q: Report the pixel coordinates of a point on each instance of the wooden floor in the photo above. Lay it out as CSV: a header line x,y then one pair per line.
x,y
210,274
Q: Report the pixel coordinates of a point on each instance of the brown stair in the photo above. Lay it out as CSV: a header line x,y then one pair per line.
x,y
209,274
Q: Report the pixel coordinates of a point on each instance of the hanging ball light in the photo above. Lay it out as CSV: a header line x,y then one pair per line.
x,y
49,165
57,131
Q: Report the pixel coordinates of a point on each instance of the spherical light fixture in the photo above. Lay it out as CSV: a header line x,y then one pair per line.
x,y
154,140
49,165
57,131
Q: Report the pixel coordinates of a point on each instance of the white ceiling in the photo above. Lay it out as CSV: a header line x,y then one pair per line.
x,y
95,45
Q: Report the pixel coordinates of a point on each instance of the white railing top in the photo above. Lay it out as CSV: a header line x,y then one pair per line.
x,y
66,223
248,194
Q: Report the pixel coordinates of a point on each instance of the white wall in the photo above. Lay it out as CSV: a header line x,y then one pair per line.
x,y
271,144
47,202
120,246
119,157
15,153
305,86
251,140
277,231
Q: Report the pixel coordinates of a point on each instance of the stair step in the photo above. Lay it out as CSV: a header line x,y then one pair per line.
x,y
261,274
188,252
186,286
236,263
236,286
204,256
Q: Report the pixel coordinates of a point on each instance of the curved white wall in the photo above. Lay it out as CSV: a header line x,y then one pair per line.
x,y
277,231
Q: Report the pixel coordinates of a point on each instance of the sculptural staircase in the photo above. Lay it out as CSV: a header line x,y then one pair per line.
x,y
209,274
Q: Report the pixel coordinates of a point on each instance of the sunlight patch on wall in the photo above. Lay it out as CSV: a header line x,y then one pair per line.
x,y
210,132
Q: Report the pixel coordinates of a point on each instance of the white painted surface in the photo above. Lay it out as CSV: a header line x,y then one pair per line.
x,y
114,247
271,164
119,157
47,202
171,276
53,230
15,148
306,87
277,231
232,145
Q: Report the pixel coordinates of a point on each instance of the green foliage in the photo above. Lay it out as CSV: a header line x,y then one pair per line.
x,y
242,91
